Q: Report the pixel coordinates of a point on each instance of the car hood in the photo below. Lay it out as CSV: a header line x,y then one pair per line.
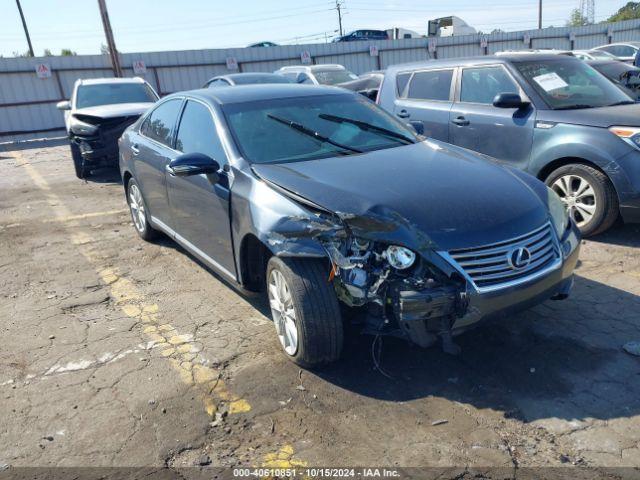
x,y
115,110
605,117
426,195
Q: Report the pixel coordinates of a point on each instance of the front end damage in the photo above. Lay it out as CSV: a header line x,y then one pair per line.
x,y
428,300
97,137
420,303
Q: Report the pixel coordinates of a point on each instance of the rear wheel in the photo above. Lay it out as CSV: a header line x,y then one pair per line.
x,y
305,310
78,161
139,211
588,195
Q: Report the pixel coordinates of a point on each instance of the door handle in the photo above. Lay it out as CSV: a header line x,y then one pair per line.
x,y
460,121
135,149
403,114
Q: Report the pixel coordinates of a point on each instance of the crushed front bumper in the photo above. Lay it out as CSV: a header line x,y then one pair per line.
x,y
101,149
425,315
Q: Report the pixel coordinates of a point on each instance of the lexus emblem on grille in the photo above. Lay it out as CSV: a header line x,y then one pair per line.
x,y
519,258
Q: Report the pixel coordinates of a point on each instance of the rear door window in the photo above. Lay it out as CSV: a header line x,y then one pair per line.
x,y
431,85
160,122
481,85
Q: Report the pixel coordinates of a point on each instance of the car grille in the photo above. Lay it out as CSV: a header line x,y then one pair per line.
x,y
491,267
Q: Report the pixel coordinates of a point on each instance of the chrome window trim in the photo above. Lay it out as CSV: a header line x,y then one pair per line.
x,y
191,248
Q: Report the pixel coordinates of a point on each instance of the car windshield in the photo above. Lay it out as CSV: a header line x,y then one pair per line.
x,y
110,93
306,128
331,77
570,84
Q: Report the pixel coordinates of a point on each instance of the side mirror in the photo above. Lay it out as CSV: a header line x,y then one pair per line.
x,y
301,78
194,164
417,126
509,100
63,105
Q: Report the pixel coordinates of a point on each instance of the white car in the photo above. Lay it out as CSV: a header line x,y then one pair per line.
x,y
593,55
99,110
625,51
327,74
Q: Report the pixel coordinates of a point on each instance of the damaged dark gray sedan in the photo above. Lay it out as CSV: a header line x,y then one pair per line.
x,y
319,197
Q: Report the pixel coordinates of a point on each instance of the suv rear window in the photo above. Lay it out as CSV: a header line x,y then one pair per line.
x,y
433,85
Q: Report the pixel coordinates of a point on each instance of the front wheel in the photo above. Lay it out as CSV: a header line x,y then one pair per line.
x,y
588,195
305,310
78,162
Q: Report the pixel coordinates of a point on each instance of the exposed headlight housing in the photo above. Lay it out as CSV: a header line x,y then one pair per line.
x,y
558,211
399,257
630,135
79,127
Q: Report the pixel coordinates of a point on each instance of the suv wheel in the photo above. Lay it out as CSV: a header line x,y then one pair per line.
x,y
588,195
139,211
78,161
305,310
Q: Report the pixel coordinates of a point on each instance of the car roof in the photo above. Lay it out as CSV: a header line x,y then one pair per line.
x,y
322,66
635,44
99,81
484,60
233,76
254,93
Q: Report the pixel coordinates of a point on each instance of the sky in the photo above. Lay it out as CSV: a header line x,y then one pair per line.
x,y
159,25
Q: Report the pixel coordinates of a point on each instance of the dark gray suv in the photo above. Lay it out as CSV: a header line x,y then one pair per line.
x,y
553,116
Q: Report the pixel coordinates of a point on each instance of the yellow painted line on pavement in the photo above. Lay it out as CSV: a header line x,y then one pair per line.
x,y
180,349
83,216
283,458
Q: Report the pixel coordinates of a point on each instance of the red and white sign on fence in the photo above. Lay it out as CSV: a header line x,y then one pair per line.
x,y
305,57
43,70
232,63
373,50
432,45
139,67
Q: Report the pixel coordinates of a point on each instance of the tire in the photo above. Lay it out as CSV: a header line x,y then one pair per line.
x,y
78,162
600,199
316,311
138,210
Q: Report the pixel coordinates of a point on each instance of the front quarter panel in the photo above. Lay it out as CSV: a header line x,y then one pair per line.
x,y
593,144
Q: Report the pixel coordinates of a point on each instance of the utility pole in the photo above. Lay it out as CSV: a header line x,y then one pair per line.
x,y
539,14
26,30
338,7
111,43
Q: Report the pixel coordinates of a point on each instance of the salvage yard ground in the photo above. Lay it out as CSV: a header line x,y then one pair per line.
x,y
117,352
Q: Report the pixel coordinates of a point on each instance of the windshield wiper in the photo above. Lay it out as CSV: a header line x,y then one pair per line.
x,y
311,133
367,127
574,107
623,102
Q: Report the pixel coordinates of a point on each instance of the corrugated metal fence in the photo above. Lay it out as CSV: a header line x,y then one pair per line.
x,y
27,102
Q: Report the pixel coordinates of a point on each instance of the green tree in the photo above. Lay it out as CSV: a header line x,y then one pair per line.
x,y
577,19
630,11
66,52
47,53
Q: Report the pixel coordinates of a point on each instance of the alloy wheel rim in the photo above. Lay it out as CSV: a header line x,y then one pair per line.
x,y
283,312
578,196
137,208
